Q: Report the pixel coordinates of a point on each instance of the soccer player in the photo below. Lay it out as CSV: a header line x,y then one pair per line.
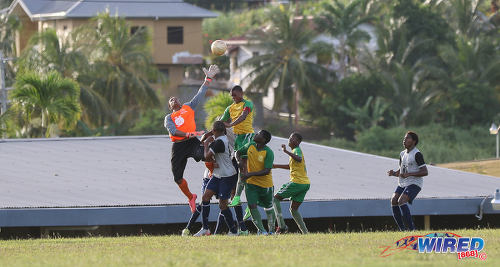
x,y
298,186
410,175
239,115
223,179
259,189
182,128
206,177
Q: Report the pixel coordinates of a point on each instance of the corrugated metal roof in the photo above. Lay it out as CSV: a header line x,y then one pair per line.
x,y
129,171
47,6
123,8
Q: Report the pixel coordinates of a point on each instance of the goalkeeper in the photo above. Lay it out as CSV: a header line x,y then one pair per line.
x,y
182,129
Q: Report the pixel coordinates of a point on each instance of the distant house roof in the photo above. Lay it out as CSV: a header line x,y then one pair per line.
x,y
58,9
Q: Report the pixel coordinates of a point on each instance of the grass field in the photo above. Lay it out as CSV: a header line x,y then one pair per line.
x,y
486,167
344,249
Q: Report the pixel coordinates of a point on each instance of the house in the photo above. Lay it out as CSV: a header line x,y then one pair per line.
x,y
175,26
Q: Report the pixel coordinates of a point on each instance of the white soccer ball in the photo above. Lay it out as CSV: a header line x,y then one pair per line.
x,y
218,47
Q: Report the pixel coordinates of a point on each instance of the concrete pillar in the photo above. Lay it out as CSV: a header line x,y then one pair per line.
x,y
427,222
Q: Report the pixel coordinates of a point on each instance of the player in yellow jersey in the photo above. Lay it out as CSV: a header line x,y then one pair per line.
x,y
298,186
239,116
259,189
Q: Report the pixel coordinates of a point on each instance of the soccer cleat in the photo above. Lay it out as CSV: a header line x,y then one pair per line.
x,y
203,232
247,214
232,234
280,231
262,233
192,203
186,232
244,232
236,201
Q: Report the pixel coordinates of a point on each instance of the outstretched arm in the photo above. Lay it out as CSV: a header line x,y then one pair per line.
x,y
209,75
281,166
262,172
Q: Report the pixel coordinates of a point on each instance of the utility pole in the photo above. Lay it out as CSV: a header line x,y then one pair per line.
x,y
2,84
3,89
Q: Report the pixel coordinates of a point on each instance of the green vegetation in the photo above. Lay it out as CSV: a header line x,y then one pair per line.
x,y
438,143
435,68
346,249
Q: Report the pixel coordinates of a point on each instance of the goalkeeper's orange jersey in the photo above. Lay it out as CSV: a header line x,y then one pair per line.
x,y
184,122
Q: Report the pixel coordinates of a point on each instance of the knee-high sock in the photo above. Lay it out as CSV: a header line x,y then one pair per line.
x,y
279,214
407,216
220,222
240,186
257,220
228,216
396,213
185,189
194,216
205,211
271,219
239,217
300,222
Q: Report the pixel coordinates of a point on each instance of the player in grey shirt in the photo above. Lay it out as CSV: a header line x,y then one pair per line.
x,y
223,179
410,175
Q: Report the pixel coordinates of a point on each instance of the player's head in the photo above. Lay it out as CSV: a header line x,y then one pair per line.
x,y
174,103
218,128
294,140
237,93
263,137
411,140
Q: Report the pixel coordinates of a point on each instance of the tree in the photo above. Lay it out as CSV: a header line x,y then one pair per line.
x,y
215,107
342,22
51,98
282,67
121,71
67,55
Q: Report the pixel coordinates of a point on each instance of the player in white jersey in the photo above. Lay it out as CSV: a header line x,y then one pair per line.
x,y
410,175
223,179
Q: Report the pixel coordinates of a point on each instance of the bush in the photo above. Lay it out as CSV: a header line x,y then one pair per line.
x,y
438,143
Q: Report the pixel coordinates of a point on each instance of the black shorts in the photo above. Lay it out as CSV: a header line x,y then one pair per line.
x,y
181,151
411,191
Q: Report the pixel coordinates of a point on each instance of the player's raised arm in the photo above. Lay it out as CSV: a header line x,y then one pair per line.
x,y
209,75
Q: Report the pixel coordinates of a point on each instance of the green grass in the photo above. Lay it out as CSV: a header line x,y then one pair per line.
x,y
345,249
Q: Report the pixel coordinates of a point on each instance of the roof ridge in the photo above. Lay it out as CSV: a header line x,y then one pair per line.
x,y
72,7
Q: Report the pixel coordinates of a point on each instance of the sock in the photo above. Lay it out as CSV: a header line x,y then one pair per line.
x,y
407,216
205,211
271,219
396,213
194,216
300,222
239,186
238,210
257,220
185,189
228,216
220,221
279,214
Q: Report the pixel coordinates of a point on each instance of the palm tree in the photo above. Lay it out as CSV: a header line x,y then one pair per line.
x,y
283,66
215,107
51,98
121,70
342,22
67,55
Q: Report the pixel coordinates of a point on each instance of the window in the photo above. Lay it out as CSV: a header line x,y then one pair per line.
x,y
255,53
134,29
65,27
175,35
